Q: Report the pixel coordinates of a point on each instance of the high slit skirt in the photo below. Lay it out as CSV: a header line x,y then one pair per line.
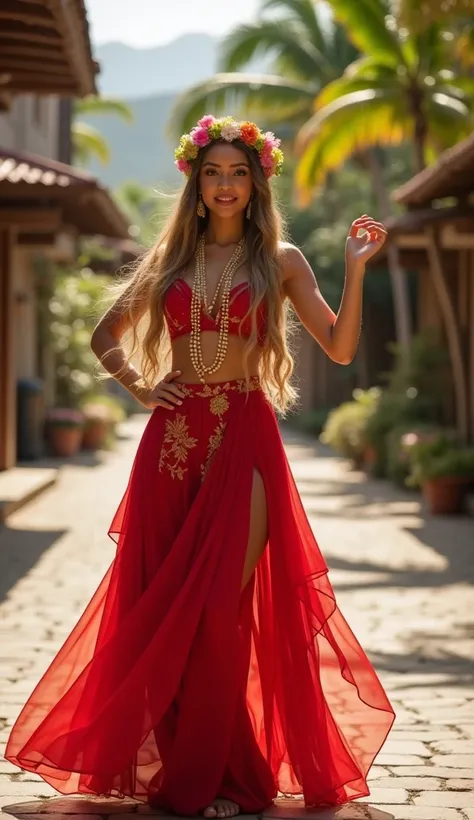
x,y
175,686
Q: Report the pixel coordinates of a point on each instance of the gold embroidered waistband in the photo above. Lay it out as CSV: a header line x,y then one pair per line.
x,y
209,391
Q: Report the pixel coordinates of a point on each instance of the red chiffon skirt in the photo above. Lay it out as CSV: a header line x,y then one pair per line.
x,y
174,687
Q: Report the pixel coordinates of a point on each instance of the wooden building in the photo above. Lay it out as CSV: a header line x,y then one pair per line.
x,y
45,203
436,239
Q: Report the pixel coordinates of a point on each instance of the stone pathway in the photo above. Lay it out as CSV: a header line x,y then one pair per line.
x,y
403,580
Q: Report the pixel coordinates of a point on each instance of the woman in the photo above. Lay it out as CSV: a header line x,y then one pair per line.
x,y
212,669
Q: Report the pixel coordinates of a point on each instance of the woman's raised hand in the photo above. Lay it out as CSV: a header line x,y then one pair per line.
x,y
359,249
164,394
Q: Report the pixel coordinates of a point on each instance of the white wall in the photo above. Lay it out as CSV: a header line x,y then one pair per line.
x,y
32,125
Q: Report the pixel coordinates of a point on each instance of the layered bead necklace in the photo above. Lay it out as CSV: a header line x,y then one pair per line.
x,y
199,299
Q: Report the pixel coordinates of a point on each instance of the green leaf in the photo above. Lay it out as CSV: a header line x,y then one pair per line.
x,y
278,37
366,25
306,13
448,121
349,125
103,105
235,93
350,84
88,143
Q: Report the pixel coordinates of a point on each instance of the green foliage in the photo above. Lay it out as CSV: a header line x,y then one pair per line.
x,y
440,457
87,141
403,89
345,426
398,444
72,310
415,394
145,209
307,51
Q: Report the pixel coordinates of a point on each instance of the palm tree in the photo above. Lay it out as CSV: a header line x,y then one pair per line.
x,y
306,54
403,89
88,142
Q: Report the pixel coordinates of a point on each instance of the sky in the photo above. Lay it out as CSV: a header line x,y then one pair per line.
x,y
145,23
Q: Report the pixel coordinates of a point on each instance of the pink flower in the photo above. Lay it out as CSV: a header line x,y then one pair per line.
x,y
183,165
271,140
266,159
200,137
206,120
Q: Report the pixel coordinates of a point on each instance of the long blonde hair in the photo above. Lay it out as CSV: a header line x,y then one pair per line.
x,y
173,252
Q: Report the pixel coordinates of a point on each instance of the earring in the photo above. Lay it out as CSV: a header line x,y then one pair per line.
x,y
201,209
248,212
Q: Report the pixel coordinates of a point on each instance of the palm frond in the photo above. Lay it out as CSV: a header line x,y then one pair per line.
x,y
103,105
447,122
88,143
365,24
349,84
277,38
306,13
263,94
349,125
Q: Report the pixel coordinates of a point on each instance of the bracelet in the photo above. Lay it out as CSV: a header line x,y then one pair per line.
x,y
140,384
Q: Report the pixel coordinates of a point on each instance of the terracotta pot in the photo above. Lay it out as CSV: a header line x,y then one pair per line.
x,y
370,455
94,434
445,495
65,440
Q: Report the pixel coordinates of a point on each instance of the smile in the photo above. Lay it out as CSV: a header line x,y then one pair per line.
x,y
226,200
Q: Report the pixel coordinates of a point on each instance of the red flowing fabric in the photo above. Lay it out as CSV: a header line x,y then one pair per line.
x,y
174,687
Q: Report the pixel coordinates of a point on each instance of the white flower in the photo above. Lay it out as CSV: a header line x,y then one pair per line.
x,y
230,132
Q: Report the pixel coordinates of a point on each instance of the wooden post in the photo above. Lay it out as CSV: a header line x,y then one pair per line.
x,y
452,330
7,370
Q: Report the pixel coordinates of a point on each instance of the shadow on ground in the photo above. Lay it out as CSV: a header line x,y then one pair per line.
x,y
20,550
282,810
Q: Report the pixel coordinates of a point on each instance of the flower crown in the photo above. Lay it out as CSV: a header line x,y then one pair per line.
x,y
226,128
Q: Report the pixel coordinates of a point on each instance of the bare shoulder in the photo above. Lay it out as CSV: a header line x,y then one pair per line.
x,y
293,262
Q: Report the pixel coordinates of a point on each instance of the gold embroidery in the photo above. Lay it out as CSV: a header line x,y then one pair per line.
x,y
210,390
175,456
172,321
219,404
213,445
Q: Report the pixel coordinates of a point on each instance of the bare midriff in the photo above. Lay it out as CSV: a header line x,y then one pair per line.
x,y
232,367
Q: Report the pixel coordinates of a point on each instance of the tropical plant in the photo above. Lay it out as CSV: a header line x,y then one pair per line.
x,y
404,88
415,394
72,313
306,53
88,142
144,208
345,426
438,458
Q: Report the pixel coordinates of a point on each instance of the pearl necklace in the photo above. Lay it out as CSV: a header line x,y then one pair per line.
x,y
199,298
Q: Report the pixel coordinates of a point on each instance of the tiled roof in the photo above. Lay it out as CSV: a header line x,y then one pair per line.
x,y
45,48
85,203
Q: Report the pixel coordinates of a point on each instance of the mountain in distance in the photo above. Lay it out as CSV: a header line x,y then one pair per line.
x,y
149,80
140,151
132,72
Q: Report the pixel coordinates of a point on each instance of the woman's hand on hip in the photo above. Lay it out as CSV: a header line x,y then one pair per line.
x,y
164,394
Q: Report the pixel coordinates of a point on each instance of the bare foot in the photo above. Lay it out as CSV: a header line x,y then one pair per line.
x,y
220,807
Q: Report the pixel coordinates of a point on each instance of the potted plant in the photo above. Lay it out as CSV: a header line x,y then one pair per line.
x,y
345,426
97,423
64,431
444,470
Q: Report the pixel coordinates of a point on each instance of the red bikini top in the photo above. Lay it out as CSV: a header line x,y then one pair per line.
x,y
177,309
